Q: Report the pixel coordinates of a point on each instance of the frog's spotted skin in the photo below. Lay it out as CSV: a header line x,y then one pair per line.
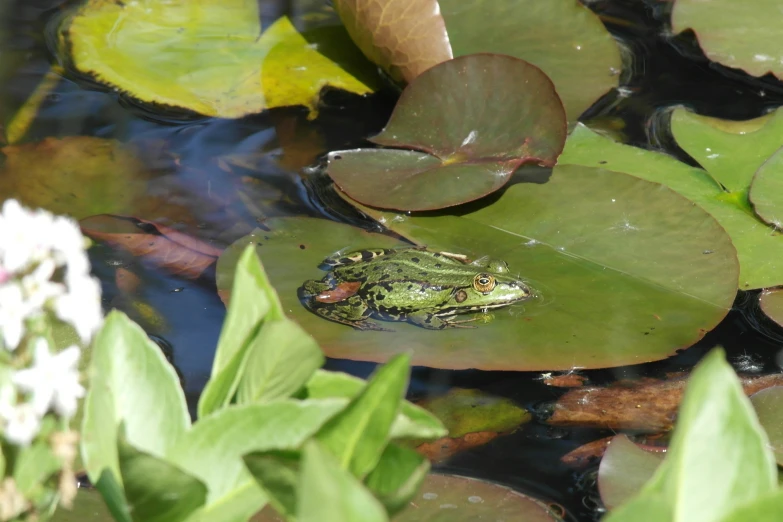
x,y
424,288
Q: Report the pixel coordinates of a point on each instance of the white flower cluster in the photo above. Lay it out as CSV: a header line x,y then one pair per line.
x,y
44,272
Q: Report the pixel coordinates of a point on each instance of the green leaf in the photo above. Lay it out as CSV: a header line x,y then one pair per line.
x,y
281,358
616,276
132,384
210,58
413,422
759,248
277,473
564,38
33,466
397,477
767,405
469,142
212,451
329,493
771,302
253,301
466,411
156,490
740,35
624,469
113,495
766,508
766,192
358,435
648,507
715,419
404,38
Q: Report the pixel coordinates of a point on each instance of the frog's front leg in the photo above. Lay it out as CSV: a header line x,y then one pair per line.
x,y
427,319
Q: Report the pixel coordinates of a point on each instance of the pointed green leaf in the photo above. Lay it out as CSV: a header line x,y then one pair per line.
x,y
277,473
358,435
329,493
158,491
397,477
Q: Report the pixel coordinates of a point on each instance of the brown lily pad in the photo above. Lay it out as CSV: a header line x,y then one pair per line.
x,y
648,405
459,131
405,38
162,246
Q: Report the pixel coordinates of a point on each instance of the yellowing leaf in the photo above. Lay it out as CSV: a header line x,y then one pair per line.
x,y
210,57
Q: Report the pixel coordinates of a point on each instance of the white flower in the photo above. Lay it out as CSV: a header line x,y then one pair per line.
x,y
13,312
23,236
22,423
38,286
53,380
81,306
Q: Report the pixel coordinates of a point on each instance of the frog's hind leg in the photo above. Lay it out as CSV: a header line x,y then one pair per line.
x,y
351,311
433,322
356,256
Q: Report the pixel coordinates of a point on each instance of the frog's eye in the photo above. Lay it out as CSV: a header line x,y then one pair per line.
x,y
484,283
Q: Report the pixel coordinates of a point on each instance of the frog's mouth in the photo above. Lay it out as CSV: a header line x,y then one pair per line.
x,y
454,310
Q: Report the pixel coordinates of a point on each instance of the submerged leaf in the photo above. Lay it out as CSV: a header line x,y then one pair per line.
x,y
771,301
470,126
210,58
404,37
624,469
766,192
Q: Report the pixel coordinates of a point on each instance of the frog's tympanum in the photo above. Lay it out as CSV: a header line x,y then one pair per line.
x,y
425,288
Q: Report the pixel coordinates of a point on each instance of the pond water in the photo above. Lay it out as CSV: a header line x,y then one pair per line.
x,y
207,161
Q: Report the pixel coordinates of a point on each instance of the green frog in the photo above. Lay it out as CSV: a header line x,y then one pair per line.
x,y
428,289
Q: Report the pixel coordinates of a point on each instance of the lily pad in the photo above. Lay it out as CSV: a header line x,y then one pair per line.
x,y
766,192
624,469
759,247
210,57
562,37
744,35
472,126
767,405
619,279
78,175
451,498
405,38
771,302
468,411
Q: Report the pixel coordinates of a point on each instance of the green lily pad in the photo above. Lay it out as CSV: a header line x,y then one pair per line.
x,y
452,498
208,57
767,405
624,469
759,246
771,302
744,35
405,38
619,279
562,37
766,192
472,125
465,411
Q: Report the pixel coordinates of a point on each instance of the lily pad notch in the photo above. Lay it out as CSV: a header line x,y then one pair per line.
x,y
457,134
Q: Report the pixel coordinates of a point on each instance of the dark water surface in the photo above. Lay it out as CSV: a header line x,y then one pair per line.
x,y
663,71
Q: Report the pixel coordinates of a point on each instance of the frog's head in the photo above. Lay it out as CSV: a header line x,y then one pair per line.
x,y
488,291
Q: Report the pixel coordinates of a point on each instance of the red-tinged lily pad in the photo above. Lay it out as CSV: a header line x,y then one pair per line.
x,y
771,302
743,35
562,37
624,469
451,498
742,145
467,125
160,245
405,38
625,271
210,57
767,404
766,192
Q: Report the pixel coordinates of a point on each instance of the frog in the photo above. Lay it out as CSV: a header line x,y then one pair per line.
x,y
425,288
